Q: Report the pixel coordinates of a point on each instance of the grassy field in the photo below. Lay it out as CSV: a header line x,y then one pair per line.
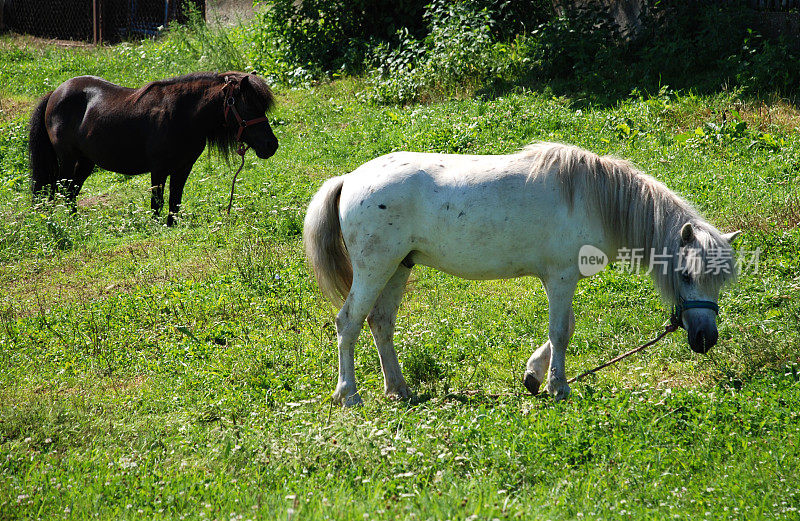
x,y
186,373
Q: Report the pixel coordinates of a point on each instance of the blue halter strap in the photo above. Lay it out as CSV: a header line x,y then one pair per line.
x,y
683,305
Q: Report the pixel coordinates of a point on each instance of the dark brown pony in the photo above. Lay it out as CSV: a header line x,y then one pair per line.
x,y
161,128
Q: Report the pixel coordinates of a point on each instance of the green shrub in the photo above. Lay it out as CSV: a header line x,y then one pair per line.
x,y
320,36
763,66
419,51
455,58
307,39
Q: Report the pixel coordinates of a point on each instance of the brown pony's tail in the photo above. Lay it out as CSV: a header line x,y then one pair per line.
x,y
42,155
325,248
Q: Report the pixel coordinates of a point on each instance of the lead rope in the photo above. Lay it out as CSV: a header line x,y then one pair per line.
x,y
241,151
672,326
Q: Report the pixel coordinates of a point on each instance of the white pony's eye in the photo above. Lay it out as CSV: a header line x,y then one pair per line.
x,y
686,278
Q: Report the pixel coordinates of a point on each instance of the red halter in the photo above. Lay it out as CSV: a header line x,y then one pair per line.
x,y
228,90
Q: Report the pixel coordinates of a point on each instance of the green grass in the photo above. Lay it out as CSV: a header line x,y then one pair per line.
x,y
168,373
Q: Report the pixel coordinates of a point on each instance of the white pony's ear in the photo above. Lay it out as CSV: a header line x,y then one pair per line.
x,y
730,237
687,233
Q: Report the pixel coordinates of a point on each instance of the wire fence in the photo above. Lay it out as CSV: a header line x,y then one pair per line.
x,y
95,20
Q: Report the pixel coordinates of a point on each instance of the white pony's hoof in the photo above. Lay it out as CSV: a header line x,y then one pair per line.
x,y
346,397
351,400
531,383
398,394
558,390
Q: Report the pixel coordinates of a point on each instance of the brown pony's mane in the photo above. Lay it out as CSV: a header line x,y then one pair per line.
x,y
260,87
221,138
195,77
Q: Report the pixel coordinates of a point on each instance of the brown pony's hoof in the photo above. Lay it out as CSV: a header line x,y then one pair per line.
x,y
531,383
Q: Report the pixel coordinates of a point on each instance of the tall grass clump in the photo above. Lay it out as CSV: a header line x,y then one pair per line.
x,y
13,159
212,47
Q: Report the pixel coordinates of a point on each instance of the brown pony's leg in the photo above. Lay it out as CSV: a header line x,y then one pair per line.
x,y
157,181
177,180
67,165
73,171
83,168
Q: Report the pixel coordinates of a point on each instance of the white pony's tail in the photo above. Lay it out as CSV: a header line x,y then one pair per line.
x,y
325,248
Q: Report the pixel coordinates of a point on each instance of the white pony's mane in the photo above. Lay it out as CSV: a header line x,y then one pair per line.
x,y
637,211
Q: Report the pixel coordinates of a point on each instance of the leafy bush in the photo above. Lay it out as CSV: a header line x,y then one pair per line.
x,y
684,45
685,42
308,34
420,51
765,66
454,58
583,44
474,46
330,35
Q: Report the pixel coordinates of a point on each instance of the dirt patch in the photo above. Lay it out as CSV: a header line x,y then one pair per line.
x,y
36,42
36,286
229,12
95,200
12,108
777,113
781,216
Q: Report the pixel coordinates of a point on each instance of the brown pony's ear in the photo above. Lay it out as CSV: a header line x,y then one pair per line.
x,y
228,77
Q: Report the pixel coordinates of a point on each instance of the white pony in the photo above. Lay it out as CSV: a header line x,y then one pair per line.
x,y
491,217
